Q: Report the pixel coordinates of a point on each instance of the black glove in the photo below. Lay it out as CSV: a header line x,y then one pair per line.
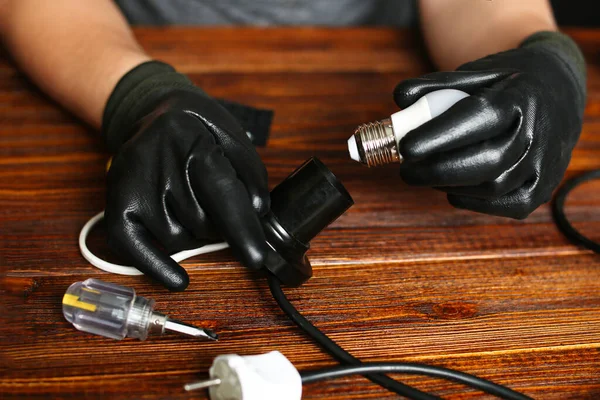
x,y
505,148
184,174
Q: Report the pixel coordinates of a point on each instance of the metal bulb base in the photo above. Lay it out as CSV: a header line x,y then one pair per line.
x,y
376,143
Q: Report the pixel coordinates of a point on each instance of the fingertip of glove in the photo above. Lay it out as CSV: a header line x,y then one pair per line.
x,y
410,148
261,203
406,93
254,255
172,276
176,282
455,201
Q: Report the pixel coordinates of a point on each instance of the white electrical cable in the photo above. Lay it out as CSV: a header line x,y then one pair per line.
x,y
127,270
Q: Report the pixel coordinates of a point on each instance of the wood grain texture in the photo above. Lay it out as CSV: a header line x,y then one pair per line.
x,y
402,276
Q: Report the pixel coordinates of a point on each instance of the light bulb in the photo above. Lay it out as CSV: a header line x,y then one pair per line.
x,y
377,143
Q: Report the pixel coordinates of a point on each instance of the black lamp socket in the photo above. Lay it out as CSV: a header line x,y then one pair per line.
x,y
304,204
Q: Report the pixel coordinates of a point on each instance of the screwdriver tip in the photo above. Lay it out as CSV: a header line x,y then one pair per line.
x,y
211,334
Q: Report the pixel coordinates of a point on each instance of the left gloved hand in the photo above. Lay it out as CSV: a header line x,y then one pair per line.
x,y
506,147
184,174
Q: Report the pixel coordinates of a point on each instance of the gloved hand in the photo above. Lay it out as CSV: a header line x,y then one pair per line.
x,y
505,148
184,174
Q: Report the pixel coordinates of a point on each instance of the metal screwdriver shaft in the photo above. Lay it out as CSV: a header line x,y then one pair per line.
x,y
190,330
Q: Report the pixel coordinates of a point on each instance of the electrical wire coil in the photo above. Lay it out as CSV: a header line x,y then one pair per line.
x,y
558,211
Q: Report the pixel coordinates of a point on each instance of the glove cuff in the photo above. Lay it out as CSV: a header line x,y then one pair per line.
x,y
135,93
139,90
569,53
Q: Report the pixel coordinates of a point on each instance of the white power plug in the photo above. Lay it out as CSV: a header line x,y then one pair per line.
x,y
269,376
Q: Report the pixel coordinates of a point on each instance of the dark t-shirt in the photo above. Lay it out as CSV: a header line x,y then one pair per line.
x,y
270,12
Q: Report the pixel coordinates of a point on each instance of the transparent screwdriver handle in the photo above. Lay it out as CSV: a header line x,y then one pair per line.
x,y
110,310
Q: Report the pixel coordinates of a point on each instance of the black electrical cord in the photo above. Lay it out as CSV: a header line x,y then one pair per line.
x,y
558,210
414,369
372,371
338,353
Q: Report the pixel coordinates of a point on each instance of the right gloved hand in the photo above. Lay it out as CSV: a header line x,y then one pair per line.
x,y
184,174
505,148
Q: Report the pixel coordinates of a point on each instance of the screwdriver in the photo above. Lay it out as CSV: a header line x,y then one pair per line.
x,y
114,311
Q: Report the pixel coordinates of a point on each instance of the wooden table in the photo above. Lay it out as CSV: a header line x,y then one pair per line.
x,y
401,277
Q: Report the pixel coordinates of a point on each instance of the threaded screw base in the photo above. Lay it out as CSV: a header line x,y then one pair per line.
x,y
377,143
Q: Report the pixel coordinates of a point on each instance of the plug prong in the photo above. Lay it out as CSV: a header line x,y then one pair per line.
x,y
202,384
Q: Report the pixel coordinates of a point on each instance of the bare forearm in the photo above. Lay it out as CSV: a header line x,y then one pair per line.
x,y
458,31
74,50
